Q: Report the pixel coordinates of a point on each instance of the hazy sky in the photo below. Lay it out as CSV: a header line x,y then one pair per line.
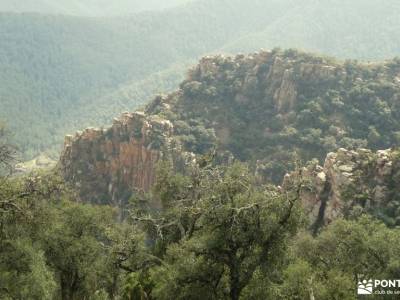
x,y
87,7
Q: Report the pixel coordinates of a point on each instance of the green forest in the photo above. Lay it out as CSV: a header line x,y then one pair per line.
x,y
219,230
217,235
199,149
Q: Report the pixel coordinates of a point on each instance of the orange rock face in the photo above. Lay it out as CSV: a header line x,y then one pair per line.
x,y
108,165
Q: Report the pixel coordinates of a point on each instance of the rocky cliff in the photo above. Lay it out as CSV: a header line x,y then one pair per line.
x,y
269,108
108,164
349,183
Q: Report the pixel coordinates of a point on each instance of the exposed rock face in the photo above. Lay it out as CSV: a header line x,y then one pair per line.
x,y
285,96
283,84
350,179
107,165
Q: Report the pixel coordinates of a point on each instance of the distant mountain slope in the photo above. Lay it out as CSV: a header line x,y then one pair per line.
x,y
357,29
87,7
53,68
55,65
131,94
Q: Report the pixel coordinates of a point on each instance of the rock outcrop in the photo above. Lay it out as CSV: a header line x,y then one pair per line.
x,y
350,182
108,164
269,108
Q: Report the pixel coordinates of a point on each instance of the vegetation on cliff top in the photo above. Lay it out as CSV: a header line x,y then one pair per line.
x,y
272,108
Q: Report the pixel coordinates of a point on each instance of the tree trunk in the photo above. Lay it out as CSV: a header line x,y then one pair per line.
x,y
64,289
234,293
68,287
234,282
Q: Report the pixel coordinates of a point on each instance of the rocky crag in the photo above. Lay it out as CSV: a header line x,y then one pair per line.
x,y
270,109
108,164
350,183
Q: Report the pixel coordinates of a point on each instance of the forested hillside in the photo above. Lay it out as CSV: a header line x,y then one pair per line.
x,y
273,108
53,64
63,68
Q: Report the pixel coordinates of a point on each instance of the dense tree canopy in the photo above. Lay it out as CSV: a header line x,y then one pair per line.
x,y
214,234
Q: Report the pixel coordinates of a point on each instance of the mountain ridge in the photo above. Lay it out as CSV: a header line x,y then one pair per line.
x,y
270,109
